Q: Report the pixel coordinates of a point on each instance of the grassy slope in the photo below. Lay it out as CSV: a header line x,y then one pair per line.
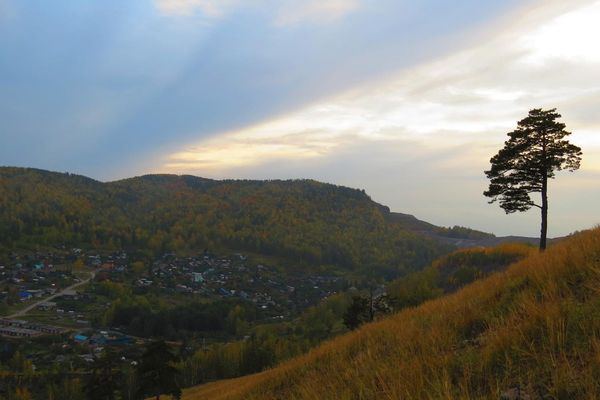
x,y
536,325
476,263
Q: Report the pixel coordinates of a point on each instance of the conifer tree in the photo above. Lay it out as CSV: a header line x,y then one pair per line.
x,y
529,158
156,373
103,381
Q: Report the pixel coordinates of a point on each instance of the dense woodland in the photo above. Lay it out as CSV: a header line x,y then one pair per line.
x,y
305,221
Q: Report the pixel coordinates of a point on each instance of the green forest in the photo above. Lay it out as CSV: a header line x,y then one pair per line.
x,y
303,221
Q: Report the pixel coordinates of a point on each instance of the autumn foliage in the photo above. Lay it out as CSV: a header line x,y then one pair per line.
x,y
304,221
534,328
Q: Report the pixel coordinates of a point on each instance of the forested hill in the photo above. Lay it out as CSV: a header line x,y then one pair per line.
x,y
301,220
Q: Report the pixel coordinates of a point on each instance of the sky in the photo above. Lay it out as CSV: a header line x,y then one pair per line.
x,y
405,99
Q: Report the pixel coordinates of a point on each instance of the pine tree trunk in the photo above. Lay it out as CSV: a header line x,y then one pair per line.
x,y
544,229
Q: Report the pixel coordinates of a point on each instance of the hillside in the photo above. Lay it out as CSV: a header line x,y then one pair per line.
x,y
530,332
303,221
453,271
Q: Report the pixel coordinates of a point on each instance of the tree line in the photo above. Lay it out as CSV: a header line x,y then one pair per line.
x,y
306,221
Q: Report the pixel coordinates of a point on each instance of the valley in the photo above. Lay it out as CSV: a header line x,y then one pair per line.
x,y
224,295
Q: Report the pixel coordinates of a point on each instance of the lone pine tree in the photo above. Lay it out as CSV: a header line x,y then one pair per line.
x,y
531,155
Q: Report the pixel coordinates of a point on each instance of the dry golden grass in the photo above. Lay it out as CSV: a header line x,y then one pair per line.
x,y
498,254
536,326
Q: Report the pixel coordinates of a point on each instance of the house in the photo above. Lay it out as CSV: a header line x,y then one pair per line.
x,y
88,358
108,266
94,261
17,332
105,338
79,338
48,329
36,292
72,294
17,327
25,295
183,289
47,305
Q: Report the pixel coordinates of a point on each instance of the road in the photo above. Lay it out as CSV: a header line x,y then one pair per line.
x,y
50,298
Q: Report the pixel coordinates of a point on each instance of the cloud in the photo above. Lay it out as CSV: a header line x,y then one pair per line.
x,y
285,13
438,123
210,8
295,11
474,95
292,87
572,37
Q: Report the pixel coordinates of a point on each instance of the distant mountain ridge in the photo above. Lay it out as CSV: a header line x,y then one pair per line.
x,y
459,236
304,221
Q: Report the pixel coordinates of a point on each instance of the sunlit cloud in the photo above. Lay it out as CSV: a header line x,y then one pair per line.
x,y
572,37
432,128
474,96
240,151
403,99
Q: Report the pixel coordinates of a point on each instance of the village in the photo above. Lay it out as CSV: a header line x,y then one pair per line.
x,y
40,287
235,277
56,295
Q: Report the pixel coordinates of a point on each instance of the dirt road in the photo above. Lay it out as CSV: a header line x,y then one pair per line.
x,y
50,298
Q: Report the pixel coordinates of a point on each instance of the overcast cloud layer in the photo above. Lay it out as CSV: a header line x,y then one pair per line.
x,y
406,101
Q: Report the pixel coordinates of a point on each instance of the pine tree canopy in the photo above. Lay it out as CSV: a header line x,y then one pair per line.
x,y
531,155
